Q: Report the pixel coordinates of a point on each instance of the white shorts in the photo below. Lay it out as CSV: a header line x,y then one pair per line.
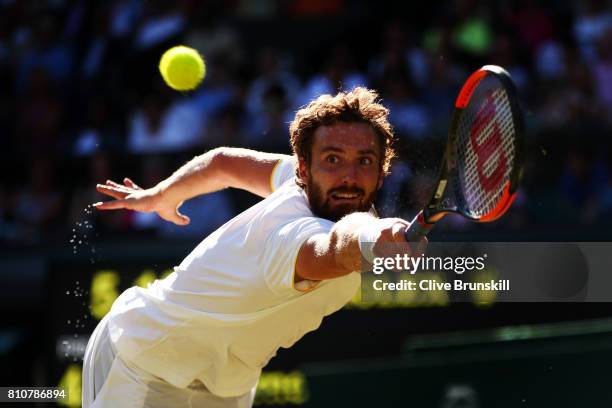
x,y
111,381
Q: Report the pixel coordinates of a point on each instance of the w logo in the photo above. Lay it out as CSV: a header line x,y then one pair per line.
x,y
486,141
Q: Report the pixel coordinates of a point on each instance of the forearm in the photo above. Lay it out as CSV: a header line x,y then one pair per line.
x,y
336,253
200,175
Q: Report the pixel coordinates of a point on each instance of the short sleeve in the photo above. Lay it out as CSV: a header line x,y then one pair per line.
x,y
282,249
283,171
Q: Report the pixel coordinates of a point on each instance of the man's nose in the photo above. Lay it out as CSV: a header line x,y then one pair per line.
x,y
350,175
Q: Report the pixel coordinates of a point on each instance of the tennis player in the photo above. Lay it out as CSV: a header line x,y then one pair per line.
x,y
201,336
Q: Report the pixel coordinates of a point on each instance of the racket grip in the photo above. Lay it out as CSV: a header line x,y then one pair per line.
x,y
418,228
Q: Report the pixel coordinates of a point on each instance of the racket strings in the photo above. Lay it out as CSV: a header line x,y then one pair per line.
x,y
486,150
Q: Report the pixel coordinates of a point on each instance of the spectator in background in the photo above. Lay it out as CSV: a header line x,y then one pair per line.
x,y
503,54
472,37
576,182
124,15
216,37
226,127
38,205
393,196
272,72
571,104
532,24
593,20
5,41
549,61
316,8
163,126
99,48
99,130
408,115
600,207
602,73
218,92
8,227
161,22
8,108
270,103
46,52
441,90
41,114
268,130
339,72
399,56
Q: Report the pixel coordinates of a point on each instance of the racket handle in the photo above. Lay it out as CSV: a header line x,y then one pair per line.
x,y
418,228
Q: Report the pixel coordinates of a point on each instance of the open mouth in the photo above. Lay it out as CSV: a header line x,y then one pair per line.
x,y
346,196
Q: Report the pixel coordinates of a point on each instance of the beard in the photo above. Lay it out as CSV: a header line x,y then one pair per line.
x,y
323,205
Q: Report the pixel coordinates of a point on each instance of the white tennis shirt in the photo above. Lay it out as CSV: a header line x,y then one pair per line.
x,y
227,308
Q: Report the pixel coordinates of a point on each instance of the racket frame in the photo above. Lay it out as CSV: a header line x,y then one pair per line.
x,y
436,207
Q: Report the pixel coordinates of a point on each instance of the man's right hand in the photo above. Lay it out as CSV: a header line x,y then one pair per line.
x,y
391,239
132,197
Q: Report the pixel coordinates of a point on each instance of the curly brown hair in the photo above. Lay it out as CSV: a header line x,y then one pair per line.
x,y
358,105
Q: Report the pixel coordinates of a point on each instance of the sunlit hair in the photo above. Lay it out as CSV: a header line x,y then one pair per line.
x,y
359,105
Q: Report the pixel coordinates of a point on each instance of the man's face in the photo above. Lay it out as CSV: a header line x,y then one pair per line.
x,y
344,172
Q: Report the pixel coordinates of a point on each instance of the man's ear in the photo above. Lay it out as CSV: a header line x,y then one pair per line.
x,y
303,170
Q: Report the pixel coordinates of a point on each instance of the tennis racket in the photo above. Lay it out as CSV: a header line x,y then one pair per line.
x,y
482,164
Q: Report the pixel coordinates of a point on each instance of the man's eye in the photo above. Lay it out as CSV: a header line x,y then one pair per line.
x,y
332,159
366,161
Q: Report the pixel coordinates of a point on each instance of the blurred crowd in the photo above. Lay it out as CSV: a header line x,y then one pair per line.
x,y
81,100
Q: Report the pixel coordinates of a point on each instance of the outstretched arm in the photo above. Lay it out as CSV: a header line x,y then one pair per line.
x,y
337,253
214,170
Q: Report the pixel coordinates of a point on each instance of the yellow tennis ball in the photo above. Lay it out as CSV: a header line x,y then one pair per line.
x,y
182,68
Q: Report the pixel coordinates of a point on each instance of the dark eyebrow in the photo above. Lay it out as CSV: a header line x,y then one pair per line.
x,y
338,150
332,149
368,151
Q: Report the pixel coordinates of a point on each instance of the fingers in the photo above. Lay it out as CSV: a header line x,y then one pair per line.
x,y
398,232
112,183
128,182
393,240
111,205
180,219
393,231
115,192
